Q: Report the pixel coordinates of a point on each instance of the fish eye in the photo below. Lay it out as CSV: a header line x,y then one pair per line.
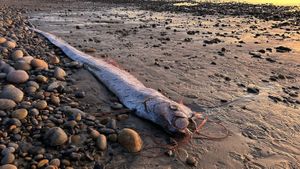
x,y
173,107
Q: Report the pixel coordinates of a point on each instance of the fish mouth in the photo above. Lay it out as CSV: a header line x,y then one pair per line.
x,y
180,123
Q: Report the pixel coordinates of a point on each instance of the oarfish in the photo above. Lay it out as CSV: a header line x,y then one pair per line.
x,y
147,103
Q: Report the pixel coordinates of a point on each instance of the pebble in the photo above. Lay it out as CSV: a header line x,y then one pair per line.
x,y
10,44
94,133
22,65
7,104
55,100
17,76
56,136
40,105
54,59
113,137
130,140
8,159
191,161
8,166
116,106
13,93
55,162
101,142
39,64
19,114
27,59
80,94
17,54
2,40
59,73
41,79
42,163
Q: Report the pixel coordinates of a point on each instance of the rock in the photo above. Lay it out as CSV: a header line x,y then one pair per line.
x,y
42,163
7,104
17,76
253,90
113,137
191,161
74,114
55,100
6,68
8,159
2,40
13,93
130,140
54,59
55,136
59,73
80,94
10,44
27,59
101,142
283,49
41,79
94,133
116,106
40,105
39,64
19,114
55,162
22,65
8,166
17,54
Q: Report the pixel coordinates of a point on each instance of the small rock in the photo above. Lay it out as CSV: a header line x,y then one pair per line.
x,y
39,64
41,79
80,94
19,114
253,90
55,100
283,49
27,59
8,166
7,104
2,40
113,137
59,73
42,163
40,105
17,54
55,162
116,106
13,93
17,76
55,136
191,161
22,65
101,142
94,133
130,140
54,59
8,159
10,44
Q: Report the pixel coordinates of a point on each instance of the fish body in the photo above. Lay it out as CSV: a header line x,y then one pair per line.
x,y
146,102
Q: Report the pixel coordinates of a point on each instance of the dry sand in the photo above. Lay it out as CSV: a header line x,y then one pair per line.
x,y
167,51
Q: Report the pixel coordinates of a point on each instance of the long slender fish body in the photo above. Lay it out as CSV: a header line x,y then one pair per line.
x,y
147,103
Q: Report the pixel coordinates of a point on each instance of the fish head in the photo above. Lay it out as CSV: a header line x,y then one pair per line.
x,y
176,117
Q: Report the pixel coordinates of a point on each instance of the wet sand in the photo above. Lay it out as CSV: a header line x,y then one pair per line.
x,y
206,61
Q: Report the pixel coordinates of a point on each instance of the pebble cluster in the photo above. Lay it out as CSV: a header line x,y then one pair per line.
x,y
42,122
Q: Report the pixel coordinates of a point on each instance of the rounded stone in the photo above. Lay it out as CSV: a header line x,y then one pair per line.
x,y
130,140
17,54
54,59
22,65
2,40
13,93
42,163
39,64
41,104
59,73
17,76
10,44
41,79
27,59
19,114
55,100
55,162
8,158
101,142
94,133
55,136
7,104
8,166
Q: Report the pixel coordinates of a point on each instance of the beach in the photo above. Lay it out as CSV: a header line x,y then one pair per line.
x,y
237,64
